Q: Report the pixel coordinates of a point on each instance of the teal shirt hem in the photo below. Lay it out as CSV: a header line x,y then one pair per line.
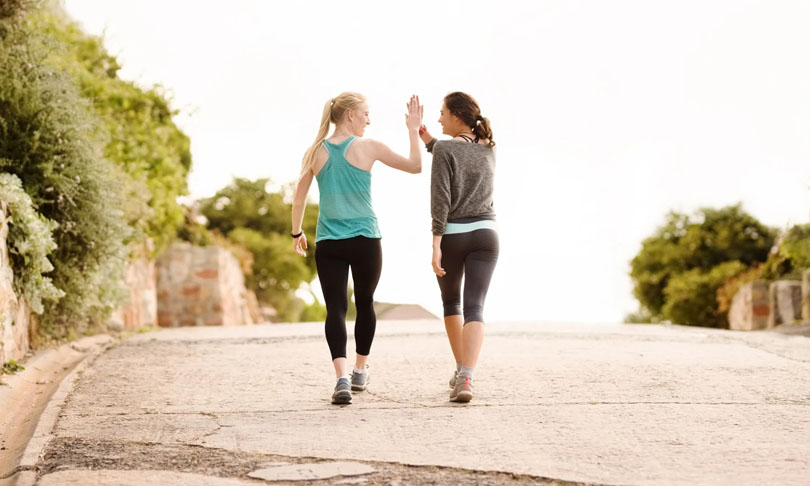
x,y
374,236
456,228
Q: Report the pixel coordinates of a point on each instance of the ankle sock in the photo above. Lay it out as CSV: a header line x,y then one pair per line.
x,y
466,372
458,367
358,371
345,377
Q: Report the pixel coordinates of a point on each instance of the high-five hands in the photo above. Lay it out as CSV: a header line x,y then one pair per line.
x,y
413,119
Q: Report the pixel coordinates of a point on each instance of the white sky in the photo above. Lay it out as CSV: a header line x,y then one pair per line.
x,y
606,115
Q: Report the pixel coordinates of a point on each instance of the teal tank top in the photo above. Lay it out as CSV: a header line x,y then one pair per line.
x,y
345,197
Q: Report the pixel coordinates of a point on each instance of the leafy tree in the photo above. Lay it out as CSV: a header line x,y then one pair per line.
x,y
135,128
45,140
247,204
276,268
691,296
12,8
682,255
795,249
259,220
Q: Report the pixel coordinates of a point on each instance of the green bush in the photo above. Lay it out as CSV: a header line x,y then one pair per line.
x,y
11,367
795,247
46,131
691,296
694,246
314,312
641,316
11,8
259,220
276,267
30,240
136,128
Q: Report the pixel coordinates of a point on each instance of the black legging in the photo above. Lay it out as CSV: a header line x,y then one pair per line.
x,y
333,259
473,256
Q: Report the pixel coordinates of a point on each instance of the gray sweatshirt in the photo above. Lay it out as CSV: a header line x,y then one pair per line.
x,y
461,182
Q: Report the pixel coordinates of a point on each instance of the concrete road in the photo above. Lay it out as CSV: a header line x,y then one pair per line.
x,y
554,404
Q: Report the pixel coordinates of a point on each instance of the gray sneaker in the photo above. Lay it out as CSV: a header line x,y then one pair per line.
x,y
453,379
343,393
463,390
360,380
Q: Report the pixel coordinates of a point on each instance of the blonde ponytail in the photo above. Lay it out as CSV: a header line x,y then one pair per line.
x,y
323,131
333,112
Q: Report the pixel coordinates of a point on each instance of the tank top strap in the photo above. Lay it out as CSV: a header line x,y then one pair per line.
x,y
338,150
346,143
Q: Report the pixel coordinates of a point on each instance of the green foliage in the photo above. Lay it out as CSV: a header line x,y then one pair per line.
x,y
791,256
691,296
726,293
136,128
641,316
276,267
30,240
259,220
11,367
695,246
314,312
12,8
45,134
795,249
248,204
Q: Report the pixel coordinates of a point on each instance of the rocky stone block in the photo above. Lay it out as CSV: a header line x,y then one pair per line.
x,y
750,308
785,299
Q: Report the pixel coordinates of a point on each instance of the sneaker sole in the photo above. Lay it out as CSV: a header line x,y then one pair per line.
x,y
462,397
342,398
359,388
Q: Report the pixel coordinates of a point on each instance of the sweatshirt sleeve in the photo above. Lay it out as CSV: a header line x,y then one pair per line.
x,y
441,173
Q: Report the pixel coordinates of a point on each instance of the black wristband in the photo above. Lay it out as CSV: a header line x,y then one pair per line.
x,y
296,236
429,145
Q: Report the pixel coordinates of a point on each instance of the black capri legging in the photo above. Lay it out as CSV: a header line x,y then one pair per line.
x,y
473,256
333,259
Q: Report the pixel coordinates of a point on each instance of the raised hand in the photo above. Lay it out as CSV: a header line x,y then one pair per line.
x,y
413,120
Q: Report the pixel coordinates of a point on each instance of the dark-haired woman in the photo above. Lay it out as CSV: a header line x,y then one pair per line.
x,y
465,239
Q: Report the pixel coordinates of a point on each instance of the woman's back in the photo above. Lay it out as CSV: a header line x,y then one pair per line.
x,y
462,182
345,197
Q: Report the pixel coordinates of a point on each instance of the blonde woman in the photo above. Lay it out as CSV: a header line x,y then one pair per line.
x,y
347,235
465,238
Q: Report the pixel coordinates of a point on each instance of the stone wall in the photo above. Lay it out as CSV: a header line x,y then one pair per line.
x,y
763,305
785,301
186,286
806,296
15,316
140,279
200,286
750,308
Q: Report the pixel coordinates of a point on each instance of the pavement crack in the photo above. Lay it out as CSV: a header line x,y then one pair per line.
x,y
384,398
16,470
88,455
216,420
765,349
391,404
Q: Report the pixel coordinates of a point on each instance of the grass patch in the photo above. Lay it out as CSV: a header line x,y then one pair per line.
x,y
12,367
